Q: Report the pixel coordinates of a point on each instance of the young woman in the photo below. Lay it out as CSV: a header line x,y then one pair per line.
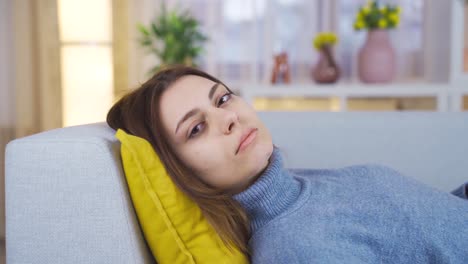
x,y
220,154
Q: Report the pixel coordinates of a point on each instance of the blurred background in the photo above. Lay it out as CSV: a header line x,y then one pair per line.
x,y
64,62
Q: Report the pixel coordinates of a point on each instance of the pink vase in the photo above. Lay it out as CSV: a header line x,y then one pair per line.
x,y
376,59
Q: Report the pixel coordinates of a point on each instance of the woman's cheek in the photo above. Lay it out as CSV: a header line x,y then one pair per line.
x,y
200,154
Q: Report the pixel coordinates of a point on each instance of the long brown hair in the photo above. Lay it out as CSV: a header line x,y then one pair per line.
x,y
138,113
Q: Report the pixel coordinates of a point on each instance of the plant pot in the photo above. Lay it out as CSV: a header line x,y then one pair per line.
x,y
326,70
376,58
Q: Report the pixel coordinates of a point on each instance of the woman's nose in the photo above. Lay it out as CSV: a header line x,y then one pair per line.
x,y
231,119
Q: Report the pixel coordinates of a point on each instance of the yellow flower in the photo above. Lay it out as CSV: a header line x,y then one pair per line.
x,y
393,17
329,38
324,38
365,10
359,25
383,23
360,15
387,15
317,43
362,22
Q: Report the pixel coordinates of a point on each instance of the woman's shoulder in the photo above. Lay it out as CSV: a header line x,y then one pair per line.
x,y
358,170
355,177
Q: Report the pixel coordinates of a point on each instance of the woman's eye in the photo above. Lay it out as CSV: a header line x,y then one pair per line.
x,y
196,130
224,99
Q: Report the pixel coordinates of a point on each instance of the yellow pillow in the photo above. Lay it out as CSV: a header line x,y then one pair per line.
x,y
173,225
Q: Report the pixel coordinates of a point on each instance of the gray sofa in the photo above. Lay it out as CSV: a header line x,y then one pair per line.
x,y
67,199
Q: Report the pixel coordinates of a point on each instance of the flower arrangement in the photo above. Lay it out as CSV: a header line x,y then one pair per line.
x,y
326,70
175,38
376,16
325,38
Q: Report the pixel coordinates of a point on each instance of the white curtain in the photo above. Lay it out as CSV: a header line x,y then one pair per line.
x,y
465,68
29,83
6,97
245,34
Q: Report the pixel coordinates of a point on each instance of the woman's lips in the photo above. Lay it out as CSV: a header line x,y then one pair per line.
x,y
246,139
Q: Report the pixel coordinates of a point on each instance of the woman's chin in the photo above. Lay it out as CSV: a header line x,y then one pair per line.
x,y
261,158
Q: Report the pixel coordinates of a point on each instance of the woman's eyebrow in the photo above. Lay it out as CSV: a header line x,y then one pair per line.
x,y
187,116
213,90
196,110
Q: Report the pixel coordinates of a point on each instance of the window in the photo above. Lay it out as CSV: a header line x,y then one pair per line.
x,y
465,46
245,34
86,59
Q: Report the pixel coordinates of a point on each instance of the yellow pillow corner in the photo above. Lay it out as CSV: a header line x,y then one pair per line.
x,y
172,224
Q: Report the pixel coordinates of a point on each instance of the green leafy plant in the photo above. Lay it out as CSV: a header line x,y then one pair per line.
x,y
376,16
174,38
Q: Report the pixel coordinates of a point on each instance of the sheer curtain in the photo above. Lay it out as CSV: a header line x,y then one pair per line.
x,y
245,34
465,67
6,98
29,74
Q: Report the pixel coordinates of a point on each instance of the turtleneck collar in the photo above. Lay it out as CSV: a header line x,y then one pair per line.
x,y
271,194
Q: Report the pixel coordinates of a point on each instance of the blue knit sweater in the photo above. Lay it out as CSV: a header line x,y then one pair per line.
x,y
357,214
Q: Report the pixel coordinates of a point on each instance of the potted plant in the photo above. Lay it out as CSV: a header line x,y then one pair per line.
x,y
326,70
376,58
174,38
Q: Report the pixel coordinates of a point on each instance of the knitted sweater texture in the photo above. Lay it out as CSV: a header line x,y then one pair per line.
x,y
357,214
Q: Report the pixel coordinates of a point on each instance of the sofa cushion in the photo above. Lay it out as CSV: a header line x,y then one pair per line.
x,y
173,224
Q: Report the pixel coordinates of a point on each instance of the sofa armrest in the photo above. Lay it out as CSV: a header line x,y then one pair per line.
x,y
67,200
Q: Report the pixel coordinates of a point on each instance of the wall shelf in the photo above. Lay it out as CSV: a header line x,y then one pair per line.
x,y
457,98
448,97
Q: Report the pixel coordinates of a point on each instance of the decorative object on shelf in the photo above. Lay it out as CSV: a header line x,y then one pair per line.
x,y
281,72
376,58
173,37
326,70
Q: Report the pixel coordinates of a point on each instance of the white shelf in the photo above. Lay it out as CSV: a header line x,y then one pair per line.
x,y
456,98
448,96
463,90
345,90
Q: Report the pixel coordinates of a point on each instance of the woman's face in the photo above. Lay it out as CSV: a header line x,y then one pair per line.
x,y
217,134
